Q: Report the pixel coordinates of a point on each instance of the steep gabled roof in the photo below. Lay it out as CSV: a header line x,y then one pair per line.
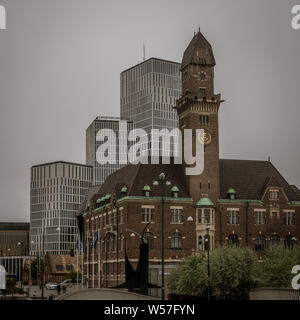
x,y
296,190
250,178
135,177
89,195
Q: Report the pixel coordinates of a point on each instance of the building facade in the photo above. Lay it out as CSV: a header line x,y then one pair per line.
x,y
14,238
14,247
57,191
148,95
120,128
232,202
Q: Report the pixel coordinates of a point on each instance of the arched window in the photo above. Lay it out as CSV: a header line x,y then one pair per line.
x,y
206,242
176,241
260,242
233,240
200,243
274,240
149,238
289,241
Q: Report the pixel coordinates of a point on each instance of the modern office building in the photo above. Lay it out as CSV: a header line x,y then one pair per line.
x,y
14,238
57,190
149,92
14,247
119,127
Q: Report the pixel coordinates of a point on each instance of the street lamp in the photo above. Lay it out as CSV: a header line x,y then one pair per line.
x,y
21,244
208,270
44,260
162,181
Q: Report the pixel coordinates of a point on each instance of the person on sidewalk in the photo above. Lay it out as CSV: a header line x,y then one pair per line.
x,y
58,288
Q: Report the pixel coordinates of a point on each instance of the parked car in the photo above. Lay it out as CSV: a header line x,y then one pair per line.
x,y
51,286
69,283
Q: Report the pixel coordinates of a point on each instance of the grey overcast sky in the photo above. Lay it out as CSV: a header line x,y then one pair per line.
x,y
60,62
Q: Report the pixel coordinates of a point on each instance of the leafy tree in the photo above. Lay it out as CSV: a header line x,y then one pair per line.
x,y
36,265
233,272
277,266
10,284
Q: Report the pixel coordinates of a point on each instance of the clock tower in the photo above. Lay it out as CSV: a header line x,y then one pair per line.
x,y
198,109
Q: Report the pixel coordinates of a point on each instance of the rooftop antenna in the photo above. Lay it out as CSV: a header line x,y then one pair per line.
x,y
269,158
144,51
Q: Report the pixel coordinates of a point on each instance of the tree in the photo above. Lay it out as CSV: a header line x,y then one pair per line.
x,y
36,266
277,266
234,271
10,284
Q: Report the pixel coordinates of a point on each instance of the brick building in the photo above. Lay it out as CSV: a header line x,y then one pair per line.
x,y
239,202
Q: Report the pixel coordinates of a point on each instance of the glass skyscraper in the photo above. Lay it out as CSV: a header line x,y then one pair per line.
x,y
149,92
57,190
119,126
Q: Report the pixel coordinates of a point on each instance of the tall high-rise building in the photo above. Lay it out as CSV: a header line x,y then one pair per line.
x,y
119,127
57,190
149,92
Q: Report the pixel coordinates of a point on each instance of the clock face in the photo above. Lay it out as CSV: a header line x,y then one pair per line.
x,y
204,138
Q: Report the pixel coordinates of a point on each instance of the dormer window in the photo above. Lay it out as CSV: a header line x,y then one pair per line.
x,y
123,191
99,202
147,190
107,198
231,194
175,192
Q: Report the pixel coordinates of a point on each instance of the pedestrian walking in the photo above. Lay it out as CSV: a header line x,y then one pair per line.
x,y
58,288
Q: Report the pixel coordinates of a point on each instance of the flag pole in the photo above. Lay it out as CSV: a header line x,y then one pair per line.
x,y
87,261
93,257
82,268
99,252
77,247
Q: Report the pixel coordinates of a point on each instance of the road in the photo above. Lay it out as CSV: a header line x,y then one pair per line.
x,y
103,294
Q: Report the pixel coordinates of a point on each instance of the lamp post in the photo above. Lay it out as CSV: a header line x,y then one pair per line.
x,y
44,261
208,269
21,244
8,264
161,181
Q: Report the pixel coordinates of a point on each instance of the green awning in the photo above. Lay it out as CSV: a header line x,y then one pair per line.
x,y
204,202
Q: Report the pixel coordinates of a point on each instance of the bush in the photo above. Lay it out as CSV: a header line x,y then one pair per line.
x,y
233,272
277,265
